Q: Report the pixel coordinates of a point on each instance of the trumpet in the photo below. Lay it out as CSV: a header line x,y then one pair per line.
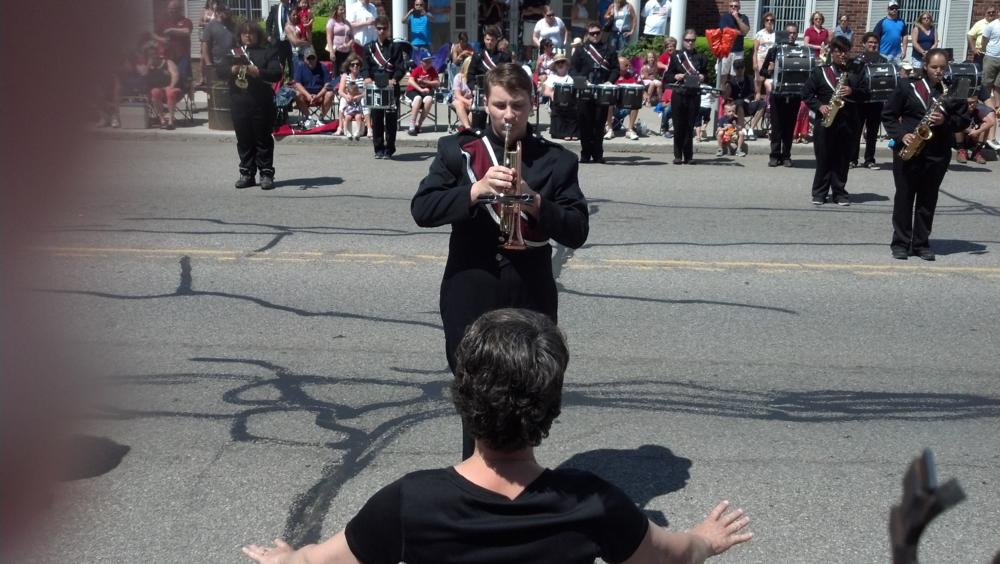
x,y
510,209
922,133
240,56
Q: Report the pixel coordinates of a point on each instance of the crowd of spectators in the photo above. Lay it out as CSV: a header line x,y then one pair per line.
x,y
161,68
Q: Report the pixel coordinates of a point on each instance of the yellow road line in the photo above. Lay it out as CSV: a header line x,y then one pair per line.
x,y
575,263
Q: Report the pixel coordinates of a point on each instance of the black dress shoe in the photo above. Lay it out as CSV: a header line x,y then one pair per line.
x,y
678,161
599,160
900,254
773,162
266,183
379,154
925,254
690,162
584,159
787,163
245,181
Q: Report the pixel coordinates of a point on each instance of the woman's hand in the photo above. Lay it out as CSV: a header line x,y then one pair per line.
x,y
908,139
721,530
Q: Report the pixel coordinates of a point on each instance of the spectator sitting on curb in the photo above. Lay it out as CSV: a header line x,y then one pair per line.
x,y
420,92
729,133
312,85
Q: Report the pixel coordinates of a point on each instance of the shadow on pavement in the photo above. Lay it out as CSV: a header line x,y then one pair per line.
x,y
643,473
956,246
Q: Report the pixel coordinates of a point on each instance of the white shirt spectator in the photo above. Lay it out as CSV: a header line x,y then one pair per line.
x,y
459,85
555,32
554,79
766,42
992,36
656,13
360,12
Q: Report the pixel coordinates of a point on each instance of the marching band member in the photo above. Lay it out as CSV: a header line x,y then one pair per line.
x,y
687,68
597,63
870,113
831,144
482,63
385,68
253,107
784,107
918,179
479,276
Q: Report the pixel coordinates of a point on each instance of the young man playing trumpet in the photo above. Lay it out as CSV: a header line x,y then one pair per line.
x,y
479,275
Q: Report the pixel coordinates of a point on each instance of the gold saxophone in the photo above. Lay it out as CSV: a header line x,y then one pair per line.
x,y
922,134
837,101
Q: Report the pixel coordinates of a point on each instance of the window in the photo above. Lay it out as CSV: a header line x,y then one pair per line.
x,y
785,12
909,11
246,9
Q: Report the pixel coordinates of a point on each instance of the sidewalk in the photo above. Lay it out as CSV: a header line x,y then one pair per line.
x,y
429,136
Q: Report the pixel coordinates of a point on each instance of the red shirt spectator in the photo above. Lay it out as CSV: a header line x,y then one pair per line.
x,y
174,32
422,72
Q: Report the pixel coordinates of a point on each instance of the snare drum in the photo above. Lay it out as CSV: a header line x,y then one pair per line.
x,y
586,93
630,96
882,79
606,94
792,66
958,71
380,97
563,95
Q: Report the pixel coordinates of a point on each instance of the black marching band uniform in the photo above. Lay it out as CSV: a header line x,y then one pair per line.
x,y
685,101
832,144
479,276
784,110
384,62
920,177
483,62
869,119
597,63
254,112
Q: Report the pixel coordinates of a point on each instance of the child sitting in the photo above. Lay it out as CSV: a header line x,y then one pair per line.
x,y
729,134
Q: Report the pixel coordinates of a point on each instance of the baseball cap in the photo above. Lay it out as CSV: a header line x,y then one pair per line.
x,y
308,52
893,4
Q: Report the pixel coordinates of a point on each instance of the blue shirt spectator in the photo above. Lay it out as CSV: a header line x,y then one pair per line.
x,y
892,34
312,75
728,20
418,20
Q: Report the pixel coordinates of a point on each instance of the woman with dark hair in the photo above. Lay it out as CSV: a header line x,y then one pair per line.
x,y
252,103
339,37
501,505
923,38
919,178
816,36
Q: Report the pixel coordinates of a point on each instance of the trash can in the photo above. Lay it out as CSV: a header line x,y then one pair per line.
x,y
220,114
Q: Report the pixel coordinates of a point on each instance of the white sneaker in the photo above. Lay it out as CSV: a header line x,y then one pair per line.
x,y
993,143
631,134
741,153
719,152
609,135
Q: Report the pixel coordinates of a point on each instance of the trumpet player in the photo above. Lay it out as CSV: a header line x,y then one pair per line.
x,y
479,275
833,92
250,77
909,112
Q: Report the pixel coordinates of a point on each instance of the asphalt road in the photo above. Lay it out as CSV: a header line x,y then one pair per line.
x,y
272,359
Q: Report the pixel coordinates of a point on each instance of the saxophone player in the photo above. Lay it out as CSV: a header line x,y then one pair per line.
x,y
919,178
833,92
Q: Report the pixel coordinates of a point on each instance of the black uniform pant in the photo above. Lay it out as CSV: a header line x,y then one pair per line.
x,y
917,181
253,121
470,293
784,110
832,149
384,125
592,118
685,115
869,119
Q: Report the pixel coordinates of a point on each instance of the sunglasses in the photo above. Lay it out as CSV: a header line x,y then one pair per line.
x,y
768,19
687,40
377,28
593,33
354,65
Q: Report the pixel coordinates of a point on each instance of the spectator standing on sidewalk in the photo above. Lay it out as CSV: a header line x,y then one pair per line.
x,y
893,34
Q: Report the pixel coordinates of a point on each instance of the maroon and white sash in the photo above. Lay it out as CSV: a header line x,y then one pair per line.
x,y
923,92
380,58
488,61
688,65
598,59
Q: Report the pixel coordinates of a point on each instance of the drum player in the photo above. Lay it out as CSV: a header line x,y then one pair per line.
x,y
829,143
784,106
595,63
564,123
483,62
687,71
384,69
479,276
870,112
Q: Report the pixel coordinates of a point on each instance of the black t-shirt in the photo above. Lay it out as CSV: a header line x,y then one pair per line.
x,y
220,41
437,516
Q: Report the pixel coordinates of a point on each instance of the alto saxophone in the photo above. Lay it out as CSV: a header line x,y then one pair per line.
x,y
922,133
837,101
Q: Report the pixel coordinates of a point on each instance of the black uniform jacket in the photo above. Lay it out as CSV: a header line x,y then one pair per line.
x,y
906,107
480,63
596,69
383,62
266,59
443,198
817,91
684,62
